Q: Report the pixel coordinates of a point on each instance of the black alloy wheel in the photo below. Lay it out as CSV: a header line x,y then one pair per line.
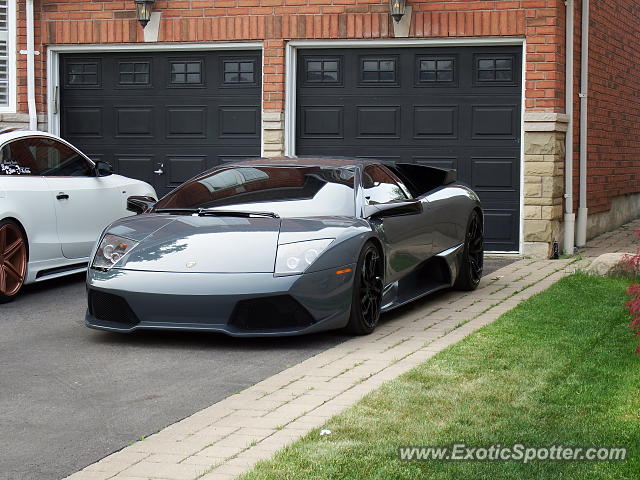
x,y
367,292
470,271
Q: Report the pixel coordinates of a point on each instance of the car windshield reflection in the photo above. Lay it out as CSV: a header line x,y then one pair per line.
x,y
289,191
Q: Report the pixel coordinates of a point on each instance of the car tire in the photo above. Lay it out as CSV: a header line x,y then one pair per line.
x,y
13,260
471,264
367,291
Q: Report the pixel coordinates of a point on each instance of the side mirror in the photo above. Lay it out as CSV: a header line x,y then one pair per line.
x,y
393,209
103,169
140,204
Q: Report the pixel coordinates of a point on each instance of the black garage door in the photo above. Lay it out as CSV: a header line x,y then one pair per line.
x,y
447,107
162,117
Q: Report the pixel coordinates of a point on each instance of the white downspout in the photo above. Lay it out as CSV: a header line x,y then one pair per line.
x,y
31,80
569,216
581,223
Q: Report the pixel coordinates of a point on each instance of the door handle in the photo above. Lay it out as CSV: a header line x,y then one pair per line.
x,y
159,171
62,196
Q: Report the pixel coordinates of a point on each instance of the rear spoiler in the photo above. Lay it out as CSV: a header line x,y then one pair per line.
x,y
427,178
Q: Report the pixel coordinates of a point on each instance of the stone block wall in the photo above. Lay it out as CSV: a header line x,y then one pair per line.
x,y
544,153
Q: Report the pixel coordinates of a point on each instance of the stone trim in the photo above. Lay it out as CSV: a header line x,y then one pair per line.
x,y
272,134
545,122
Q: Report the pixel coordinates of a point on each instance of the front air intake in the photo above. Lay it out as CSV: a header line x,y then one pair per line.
x,y
111,308
280,312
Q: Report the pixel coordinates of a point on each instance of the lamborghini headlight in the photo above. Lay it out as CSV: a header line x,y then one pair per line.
x,y
111,249
294,258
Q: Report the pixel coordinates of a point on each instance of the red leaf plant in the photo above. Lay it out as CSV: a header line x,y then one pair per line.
x,y
633,304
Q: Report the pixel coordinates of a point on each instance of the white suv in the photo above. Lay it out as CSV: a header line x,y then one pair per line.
x,y
54,203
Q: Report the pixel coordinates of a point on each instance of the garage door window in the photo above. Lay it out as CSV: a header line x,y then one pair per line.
x,y
189,73
83,74
434,70
322,70
238,71
494,69
134,73
378,70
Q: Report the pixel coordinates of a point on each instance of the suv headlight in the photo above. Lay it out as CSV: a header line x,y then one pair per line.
x,y
111,249
294,258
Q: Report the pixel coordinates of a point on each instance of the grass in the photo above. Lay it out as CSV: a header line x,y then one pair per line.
x,y
558,369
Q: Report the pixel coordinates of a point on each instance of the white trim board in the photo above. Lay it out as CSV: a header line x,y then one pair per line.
x,y
291,75
53,64
12,47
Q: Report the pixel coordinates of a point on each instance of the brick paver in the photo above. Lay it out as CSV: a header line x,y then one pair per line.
x,y
228,438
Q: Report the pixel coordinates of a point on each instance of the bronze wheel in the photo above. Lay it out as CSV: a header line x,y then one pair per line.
x,y
13,260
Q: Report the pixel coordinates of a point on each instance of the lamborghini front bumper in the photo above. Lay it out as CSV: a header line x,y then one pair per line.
x,y
238,304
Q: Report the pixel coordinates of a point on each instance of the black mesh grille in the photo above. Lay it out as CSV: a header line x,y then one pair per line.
x,y
111,308
270,313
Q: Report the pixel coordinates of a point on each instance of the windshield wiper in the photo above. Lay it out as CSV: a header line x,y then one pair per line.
x,y
203,212
177,211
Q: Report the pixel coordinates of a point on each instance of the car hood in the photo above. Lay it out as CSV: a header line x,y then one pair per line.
x,y
200,244
184,243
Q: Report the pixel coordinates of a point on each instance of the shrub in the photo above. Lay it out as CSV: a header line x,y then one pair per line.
x,y
633,304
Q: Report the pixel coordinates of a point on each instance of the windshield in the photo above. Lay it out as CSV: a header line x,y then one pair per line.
x,y
289,191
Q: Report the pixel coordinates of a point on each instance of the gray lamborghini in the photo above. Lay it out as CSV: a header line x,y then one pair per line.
x,y
286,247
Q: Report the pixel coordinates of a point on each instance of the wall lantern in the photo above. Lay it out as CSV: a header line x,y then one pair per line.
x,y
397,9
143,10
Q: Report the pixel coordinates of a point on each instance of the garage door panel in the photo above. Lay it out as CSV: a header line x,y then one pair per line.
x,y
235,121
493,174
134,122
132,165
180,168
435,121
184,110
186,121
321,121
436,161
83,121
501,226
497,122
453,107
382,121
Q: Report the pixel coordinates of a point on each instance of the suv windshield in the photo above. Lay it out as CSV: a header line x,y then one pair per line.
x,y
289,191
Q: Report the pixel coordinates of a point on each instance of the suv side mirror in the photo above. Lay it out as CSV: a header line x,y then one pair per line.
x,y
140,204
393,209
103,169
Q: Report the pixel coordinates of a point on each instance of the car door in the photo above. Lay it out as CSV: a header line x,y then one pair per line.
x,y
407,237
25,195
84,203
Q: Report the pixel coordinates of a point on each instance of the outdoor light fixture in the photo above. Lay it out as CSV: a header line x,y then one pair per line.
x,y
397,9
143,10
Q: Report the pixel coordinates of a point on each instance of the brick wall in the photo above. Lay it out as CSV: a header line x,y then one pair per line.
x,y
614,102
541,21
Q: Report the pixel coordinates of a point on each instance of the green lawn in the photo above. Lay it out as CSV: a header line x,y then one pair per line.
x,y
558,369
